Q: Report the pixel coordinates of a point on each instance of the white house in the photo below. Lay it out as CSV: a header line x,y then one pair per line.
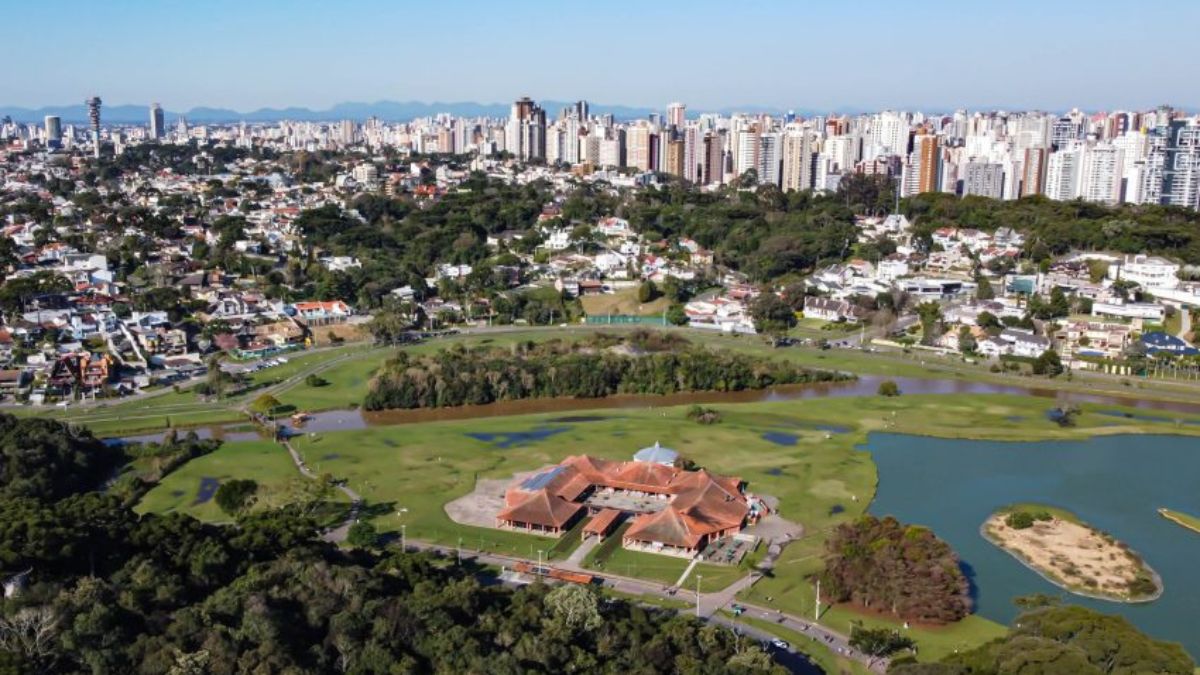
x,y
1147,271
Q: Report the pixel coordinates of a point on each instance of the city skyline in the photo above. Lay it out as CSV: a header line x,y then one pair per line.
x,y
275,55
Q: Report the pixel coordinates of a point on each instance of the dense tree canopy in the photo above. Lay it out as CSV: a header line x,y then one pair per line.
x,y
603,367
42,458
1070,639
114,592
903,570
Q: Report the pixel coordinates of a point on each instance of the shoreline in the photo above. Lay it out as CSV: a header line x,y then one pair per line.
x,y
1016,555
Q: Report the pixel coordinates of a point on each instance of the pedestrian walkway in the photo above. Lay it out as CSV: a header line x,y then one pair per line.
x,y
683,577
575,560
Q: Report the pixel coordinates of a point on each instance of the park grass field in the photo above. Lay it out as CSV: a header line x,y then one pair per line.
x,y
623,302
262,461
802,452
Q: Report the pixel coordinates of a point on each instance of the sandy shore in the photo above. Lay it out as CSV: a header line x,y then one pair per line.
x,y
1074,557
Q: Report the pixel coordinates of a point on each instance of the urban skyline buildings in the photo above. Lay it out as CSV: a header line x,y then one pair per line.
x,y
1149,156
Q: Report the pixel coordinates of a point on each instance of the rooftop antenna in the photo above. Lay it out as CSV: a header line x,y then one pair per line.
x,y
93,105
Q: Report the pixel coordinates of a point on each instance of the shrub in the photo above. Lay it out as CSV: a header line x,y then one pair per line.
x,y
236,495
363,535
702,415
889,388
1019,520
314,380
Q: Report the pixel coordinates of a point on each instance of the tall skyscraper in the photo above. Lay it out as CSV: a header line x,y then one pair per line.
x,y
637,147
674,158
1101,174
157,126
770,157
1181,165
797,160
926,151
676,114
525,133
712,168
1033,172
93,105
983,179
53,131
1064,170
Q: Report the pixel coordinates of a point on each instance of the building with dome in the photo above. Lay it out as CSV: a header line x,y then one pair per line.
x,y
670,510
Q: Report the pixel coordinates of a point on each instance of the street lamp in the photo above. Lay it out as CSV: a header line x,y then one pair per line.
x,y
698,578
539,562
403,529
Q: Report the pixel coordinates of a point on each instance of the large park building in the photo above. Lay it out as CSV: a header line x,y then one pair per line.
x,y
674,511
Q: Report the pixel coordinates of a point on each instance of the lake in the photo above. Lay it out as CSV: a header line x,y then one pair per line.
x,y
1115,483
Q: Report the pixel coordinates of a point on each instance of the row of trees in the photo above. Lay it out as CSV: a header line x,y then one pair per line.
x,y
114,592
462,376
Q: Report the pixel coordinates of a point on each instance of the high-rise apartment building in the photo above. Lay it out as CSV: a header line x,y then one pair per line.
x,y
54,133
637,147
1033,172
1181,165
673,157
983,179
525,132
676,115
798,160
1101,174
157,123
769,157
712,170
1064,171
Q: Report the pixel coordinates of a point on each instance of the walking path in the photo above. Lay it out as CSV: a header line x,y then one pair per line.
x,y
686,571
575,560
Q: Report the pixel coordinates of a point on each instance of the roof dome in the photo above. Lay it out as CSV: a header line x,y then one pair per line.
x,y
657,454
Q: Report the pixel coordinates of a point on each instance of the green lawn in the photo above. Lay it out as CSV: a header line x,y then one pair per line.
x,y
262,461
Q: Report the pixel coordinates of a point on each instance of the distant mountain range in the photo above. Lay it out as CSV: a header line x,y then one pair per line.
x,y
391,111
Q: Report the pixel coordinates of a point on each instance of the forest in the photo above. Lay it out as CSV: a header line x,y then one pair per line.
x,y
602,366
110,591
884,565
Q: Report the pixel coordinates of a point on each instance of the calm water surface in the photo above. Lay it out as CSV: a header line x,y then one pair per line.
x,y
1115,483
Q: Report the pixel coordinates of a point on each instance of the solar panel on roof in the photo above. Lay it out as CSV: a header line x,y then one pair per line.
x,y
541,480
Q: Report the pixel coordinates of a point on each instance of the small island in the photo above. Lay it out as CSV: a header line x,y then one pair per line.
x,y
1181,519
1071,554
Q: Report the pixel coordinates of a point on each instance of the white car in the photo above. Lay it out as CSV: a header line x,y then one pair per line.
x,y
780,644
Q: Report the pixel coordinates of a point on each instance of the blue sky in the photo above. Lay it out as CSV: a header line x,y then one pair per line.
x,y
869,54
